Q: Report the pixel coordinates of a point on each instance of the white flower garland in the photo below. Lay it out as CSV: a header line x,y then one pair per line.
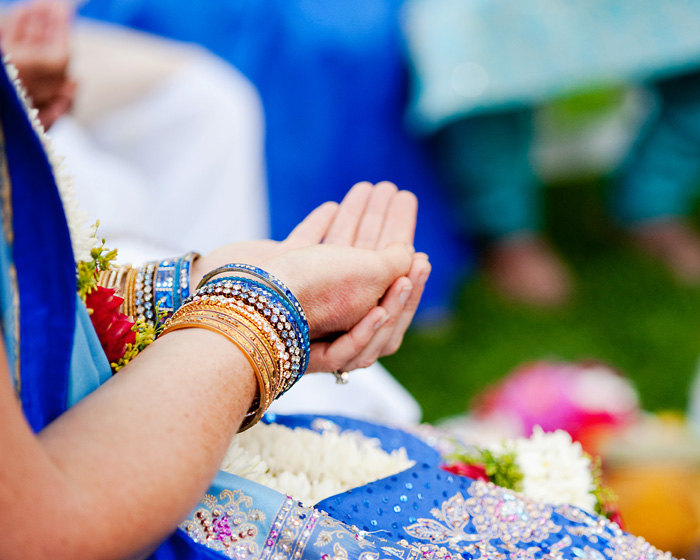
x,y
82,237
555,468
310,466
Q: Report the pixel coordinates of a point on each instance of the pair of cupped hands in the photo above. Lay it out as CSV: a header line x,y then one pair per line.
x,y
353,268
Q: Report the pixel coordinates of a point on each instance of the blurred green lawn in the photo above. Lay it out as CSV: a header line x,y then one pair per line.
x,y
627,312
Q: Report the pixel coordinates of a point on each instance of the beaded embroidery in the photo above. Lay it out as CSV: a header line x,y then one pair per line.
x,y
226,525
494,512
621,545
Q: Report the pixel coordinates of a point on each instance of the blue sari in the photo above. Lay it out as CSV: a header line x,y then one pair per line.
x,y
422,512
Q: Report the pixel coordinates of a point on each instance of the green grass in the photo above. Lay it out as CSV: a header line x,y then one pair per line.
x,y
627,312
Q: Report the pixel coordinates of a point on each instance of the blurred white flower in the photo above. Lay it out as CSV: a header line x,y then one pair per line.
x,y
555,469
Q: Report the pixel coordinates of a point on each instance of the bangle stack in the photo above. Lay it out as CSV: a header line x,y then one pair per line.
x,y
260,315
151,292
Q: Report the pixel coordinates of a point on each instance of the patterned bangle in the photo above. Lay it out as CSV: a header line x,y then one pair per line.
x,y
278,333
260,274
184,275
267,278
262,300
172,284
261,319
144,306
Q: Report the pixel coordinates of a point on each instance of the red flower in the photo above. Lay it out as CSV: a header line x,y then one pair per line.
x,y
614,515
113,327
475,470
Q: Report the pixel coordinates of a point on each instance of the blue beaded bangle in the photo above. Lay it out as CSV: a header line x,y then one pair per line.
x,y
299,323
268,279
265,304
238,287
172,284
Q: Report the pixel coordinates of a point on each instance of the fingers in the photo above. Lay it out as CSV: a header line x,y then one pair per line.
x,y
350,214
396,261
369,217
381,331
314,227
393,302
332,356
420,271
372,222
400,220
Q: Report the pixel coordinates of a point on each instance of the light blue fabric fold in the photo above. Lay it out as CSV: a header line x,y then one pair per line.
x,y
89,365
473,56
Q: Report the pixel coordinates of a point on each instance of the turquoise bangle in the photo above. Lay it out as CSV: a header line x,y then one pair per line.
x,y
172,284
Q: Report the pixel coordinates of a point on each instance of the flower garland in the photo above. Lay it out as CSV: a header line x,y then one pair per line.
x,y
82,237
548,467
308,465
121,338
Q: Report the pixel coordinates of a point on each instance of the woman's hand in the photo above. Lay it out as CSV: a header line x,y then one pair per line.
x,y
374,218
35,35
371,219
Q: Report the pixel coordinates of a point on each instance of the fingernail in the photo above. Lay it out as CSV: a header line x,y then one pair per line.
x,y
381,321
403,296
423,278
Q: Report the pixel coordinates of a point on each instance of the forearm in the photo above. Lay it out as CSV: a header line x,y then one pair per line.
x,y
133,458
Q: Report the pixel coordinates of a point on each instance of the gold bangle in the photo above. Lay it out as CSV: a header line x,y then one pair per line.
x,y
183,319
119,278
129,283
248,328
240,305
104,277
278,347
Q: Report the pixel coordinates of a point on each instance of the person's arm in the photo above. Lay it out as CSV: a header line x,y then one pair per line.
x,y
116,473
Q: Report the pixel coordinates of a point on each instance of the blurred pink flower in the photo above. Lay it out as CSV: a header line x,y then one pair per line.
x,y
586,400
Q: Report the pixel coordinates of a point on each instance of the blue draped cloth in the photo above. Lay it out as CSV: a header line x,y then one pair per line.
x,y
480,56
420,513
333,84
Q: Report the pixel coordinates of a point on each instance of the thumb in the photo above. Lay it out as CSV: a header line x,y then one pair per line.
x,y
396,260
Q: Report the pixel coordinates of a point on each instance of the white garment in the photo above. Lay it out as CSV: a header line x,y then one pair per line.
x,y
370,394
167,149
178,168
